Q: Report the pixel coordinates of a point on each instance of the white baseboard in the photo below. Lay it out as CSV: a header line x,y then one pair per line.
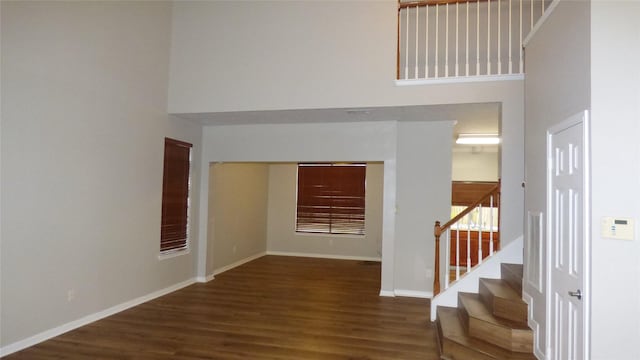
x,y
324,256
538,352
59,330
205,279
387,293
236,264
414,294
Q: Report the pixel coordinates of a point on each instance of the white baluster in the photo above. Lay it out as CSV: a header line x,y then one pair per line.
x,y
406,44
531,27
417,28
426,44
466,66
491,226
520,43
436,59
478,37
468,242
510,41
479,208
458,253
446,42
457,46
499,39
447,257
488,37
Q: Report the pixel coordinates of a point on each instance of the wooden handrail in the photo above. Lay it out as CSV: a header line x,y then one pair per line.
x,y
402,5
470,208
438,229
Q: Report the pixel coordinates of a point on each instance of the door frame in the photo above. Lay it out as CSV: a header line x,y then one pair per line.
x,y
581,117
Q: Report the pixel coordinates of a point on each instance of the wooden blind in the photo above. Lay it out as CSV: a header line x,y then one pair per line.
x,y
331,198
175,195
465,193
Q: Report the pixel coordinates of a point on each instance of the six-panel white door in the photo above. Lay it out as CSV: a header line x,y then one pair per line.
x,y
567,236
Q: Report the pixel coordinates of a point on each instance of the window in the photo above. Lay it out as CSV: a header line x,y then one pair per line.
x,y
331,198
175,195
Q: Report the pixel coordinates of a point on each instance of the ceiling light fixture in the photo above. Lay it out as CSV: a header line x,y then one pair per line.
x,y
478,139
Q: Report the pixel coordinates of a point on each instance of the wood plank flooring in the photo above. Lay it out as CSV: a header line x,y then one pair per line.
x,y
271,308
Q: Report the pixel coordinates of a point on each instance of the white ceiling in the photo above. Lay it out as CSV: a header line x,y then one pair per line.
x,y
470,118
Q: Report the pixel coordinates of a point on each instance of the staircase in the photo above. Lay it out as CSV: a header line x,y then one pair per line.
x,y
491,324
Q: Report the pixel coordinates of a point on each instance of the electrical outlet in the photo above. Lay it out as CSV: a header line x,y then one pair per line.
x,y
71,295
234,249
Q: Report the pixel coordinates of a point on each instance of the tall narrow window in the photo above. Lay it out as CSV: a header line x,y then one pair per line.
x,y
175,195
331,198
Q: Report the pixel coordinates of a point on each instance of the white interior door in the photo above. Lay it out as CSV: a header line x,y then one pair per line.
x,y
567,235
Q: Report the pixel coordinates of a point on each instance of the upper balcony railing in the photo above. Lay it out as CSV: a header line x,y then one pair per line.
x,y
458,38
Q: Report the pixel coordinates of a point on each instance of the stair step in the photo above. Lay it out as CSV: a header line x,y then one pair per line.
x,y
512,274
456,344
481,324
502,301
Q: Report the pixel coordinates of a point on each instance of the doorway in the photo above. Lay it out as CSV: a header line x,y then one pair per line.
x,y
568,239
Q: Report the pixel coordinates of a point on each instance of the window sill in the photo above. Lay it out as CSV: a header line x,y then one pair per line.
x,y
348,236
173,253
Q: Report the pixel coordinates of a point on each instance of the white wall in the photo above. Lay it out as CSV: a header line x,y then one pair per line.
x,y
259,54
615,105
373,141
470,166
84,92
281,234
265,55
238,194
554,91
423,196
590,37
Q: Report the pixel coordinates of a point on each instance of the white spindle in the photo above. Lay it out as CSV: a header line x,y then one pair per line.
x,y
446,42
447,257
491,226
488,37
466,63
468,242
458,253
510,42
426,45
457,25
531,27
436,59
479,209
478,37
406,44
417,28
499,39
520,43
543,9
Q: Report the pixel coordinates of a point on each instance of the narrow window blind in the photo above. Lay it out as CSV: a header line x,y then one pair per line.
x,y
331,198
175,195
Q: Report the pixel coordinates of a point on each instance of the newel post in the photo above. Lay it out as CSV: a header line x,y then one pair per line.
x,y
436,272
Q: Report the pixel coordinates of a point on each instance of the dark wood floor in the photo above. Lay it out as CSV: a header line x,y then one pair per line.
x,y
271,308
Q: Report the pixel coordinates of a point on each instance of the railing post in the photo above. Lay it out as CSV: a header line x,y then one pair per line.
x,y
398,45
436,270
